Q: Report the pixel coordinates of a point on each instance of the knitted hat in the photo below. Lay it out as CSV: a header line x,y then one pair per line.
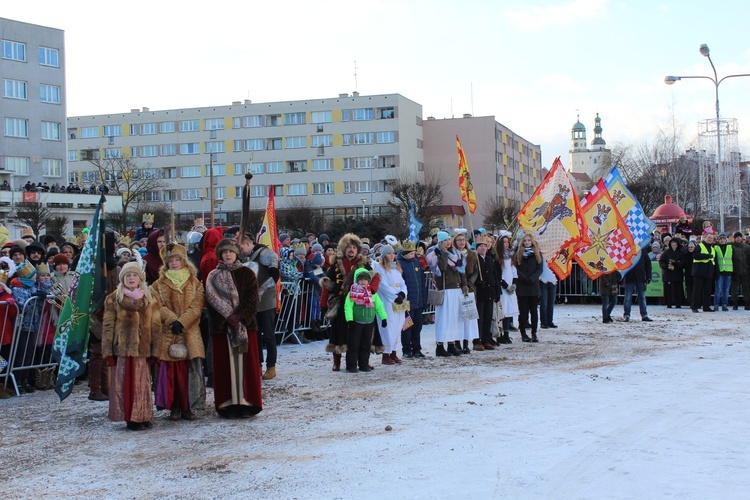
x,y
324,237
42,269
442,236
317,259
738,233
7,269
61,258
122,251
317,247
227,244
283,237
173,250
722,235
48,238
385,250
408,246
17,249
132,267
365,246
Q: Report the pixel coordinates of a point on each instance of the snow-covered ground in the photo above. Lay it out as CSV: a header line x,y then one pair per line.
x,y
627,410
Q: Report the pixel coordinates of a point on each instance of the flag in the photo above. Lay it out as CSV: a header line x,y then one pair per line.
x,y
70,347
553,213
464,179
641,227
269,234
611,244
414,225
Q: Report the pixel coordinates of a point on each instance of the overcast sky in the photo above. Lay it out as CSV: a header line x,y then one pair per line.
x,y
534,65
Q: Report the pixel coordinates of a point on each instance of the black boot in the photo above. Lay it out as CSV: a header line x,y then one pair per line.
x,y
505,339
440,351
533,337
466,349
452,349
524,337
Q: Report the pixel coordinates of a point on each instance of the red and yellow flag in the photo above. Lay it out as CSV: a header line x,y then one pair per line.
x,y
269,236
464,179
611,246
553,214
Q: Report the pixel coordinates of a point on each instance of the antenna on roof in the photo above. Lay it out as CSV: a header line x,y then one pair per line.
x,y
356,89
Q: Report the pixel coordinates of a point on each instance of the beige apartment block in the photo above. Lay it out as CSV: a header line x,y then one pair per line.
x,y
340,154
505,168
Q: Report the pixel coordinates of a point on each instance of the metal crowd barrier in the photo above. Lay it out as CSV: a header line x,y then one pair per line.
x,y
300,310
8,313
33,333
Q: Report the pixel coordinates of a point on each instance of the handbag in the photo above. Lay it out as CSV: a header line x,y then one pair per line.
x,y
403,306
408,323
469,308
435,297
178,349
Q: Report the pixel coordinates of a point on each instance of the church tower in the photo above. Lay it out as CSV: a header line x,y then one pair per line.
x,y
579,153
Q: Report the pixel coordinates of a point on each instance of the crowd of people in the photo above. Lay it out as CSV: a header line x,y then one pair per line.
x,y
179,317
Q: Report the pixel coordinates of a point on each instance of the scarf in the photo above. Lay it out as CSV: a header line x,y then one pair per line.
x,y
527,252
134,295
456,261
221,293
361,295
178,277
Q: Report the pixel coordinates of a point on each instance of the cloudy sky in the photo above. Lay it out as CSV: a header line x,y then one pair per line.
x,y
534,65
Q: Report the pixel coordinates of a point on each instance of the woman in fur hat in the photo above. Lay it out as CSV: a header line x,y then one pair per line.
x,y
179,384
232,296
131,337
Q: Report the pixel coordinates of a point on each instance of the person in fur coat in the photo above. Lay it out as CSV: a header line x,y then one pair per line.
x,y
232,297
335,285
131,337
179,385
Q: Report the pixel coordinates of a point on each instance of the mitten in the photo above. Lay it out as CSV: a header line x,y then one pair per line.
x,y
10,300
400,298
384,323
233,320
111,361
504,284
511,288
177,327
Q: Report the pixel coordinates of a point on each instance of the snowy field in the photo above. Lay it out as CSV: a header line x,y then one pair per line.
x,y
626,410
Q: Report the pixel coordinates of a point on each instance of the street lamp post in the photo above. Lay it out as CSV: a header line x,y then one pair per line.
x,y
220,201
739,211
363,207
670,80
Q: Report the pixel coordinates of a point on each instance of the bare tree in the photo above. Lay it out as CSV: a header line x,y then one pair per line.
x,y
300,215
123,177
425,195
58,225
501,215
34,214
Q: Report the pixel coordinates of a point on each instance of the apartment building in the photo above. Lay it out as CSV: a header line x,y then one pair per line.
x,y
32,66
341,155
505,168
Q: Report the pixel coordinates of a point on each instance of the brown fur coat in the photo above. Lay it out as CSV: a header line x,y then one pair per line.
x,y
130,329
247,288
185,307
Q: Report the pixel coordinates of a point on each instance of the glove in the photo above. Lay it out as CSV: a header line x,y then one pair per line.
x,y
40,294
177,327
400,298
504,284
111,361
511,289
233,320
437,250
465,290
11,301
384,323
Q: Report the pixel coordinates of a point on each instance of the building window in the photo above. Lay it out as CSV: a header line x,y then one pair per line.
x,y
219,169
49,94
256,168
320,117
294,119
347,187
237,122
148,128
50,131
169,173
420,144
170,195
148,151
49,57
296,189
363,162
191,194
133,129
213,124
168,149
296,166
386,161
362,187
190,148
14,89
386,186
322,188
51,168
273,120
72,155
111,153
362,114
17,164
252,121
72,133
253,145
16,127
346,115
364,138
322,164
89,132
258,191
420,166
90,176
194,171
149,173
346,139
274,143
274,167
386,113
322,140
112,130
15,51
296,142
166,127
215,147
189,126
386,137
220,193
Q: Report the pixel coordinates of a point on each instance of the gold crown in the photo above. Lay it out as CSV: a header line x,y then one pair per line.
x,y
125,240
42,269
148,218
26,231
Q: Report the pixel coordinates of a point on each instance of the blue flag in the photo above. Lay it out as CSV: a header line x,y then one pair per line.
x,y
414,225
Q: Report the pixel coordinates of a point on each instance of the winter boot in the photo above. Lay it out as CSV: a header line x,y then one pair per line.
x,y
524,337
505,339
440,351
533,337
270,373
96,364
336,362
465,349
387,359
395,358
452,349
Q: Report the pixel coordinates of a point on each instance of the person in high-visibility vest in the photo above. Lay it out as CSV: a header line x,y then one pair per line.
x,y
704,267
725,267
741,271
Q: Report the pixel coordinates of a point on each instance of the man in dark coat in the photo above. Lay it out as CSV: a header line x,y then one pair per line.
x,y
416,287
635,281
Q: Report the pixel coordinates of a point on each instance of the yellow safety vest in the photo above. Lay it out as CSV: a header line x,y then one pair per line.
x,y
704,250
725,261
